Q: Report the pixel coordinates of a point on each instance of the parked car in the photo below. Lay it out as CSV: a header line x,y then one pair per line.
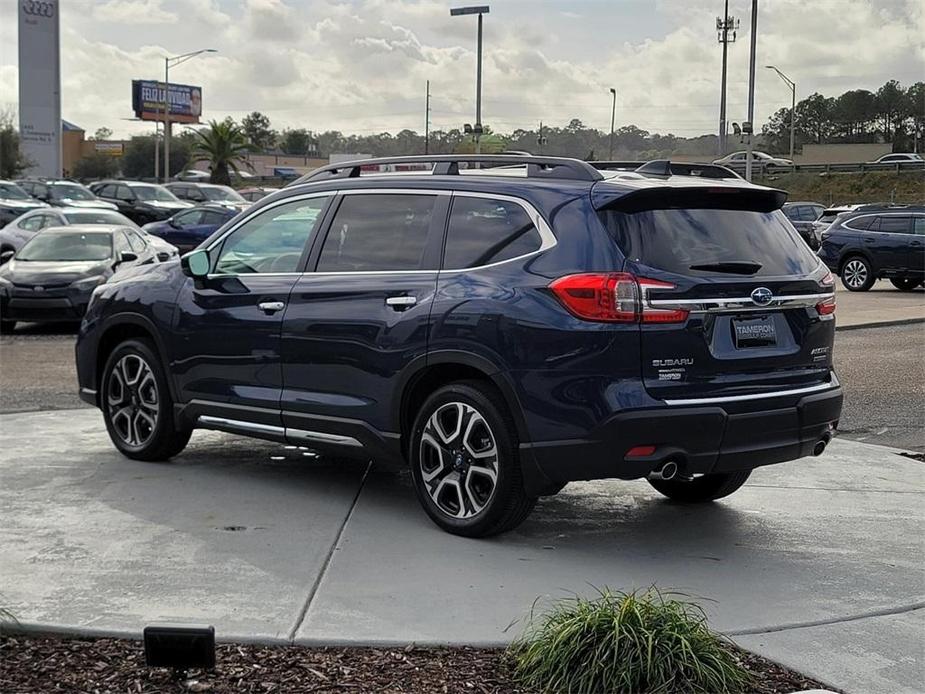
x,y
502,335
140,202
194,175
900,158
287,173
52,277
256,193
15,235
761,161
802,215
199,193
14,201
189,228
877,242
63,193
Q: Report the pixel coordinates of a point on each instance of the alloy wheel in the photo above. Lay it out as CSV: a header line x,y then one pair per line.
x,y
855,273
132,400
459,460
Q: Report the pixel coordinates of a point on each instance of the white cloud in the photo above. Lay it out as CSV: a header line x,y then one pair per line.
x,y
360,66
133,12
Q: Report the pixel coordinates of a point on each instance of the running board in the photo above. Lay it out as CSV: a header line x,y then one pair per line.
x,y
236,426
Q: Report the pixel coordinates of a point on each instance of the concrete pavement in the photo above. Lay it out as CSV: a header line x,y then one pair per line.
x,y
883,304
817,564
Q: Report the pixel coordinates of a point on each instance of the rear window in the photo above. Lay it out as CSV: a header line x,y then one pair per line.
x,y
676,240
484,231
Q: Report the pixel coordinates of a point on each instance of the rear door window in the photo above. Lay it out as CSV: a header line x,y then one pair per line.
x,y
677,240
483,231
895,224
919,226
372,233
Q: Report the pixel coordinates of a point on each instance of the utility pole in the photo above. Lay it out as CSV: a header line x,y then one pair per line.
x,y
751,92
723,26
540,138
613,114
427,120
157,147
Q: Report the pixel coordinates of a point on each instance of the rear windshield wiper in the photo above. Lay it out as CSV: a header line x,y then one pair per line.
x,y
733,267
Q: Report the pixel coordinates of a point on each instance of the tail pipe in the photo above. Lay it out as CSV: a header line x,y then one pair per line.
x,y
665,472
821,444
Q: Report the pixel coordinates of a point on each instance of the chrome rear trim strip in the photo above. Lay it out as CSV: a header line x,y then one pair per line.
x,y
755,396
741,303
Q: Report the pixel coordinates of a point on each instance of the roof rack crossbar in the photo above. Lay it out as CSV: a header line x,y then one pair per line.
x,y
448,165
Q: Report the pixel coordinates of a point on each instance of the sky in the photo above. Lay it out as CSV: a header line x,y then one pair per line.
x,y
360,66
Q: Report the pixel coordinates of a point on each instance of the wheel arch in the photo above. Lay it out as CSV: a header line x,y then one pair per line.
x,y
428,374
857,252
125,326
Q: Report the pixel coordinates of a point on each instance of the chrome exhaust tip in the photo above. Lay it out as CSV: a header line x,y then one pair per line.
x,y
820,446
666,472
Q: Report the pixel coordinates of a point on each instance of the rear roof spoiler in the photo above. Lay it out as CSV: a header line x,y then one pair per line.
x,y
702,196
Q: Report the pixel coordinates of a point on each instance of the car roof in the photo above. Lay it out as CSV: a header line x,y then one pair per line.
x,y
86,228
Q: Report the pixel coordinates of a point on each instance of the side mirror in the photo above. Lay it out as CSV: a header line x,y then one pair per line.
x,y
127,257
196,263
163,256
6,256
174,223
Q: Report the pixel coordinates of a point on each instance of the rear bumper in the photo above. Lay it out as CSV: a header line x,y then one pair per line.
x,y
701,438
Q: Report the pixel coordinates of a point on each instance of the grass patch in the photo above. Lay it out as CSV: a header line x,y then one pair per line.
x,y
849,188
639,643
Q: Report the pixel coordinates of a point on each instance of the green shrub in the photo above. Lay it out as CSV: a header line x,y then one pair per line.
x,y
625,642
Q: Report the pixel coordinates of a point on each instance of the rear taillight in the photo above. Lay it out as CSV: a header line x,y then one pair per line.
x,y
827,307
616,297
828,280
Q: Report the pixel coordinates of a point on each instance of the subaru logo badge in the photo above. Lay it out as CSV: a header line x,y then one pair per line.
x,y
762,296
40,289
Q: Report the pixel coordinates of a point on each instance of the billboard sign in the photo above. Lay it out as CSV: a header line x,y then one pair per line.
x,y
40,86
113,149
185,101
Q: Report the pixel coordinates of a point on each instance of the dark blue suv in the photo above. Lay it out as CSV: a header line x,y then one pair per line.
x,y
502,325
874,242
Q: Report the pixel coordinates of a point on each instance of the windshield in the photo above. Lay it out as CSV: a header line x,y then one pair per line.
x,y
70,191
157,193
11,191
221,193
692,241
98,217
64,246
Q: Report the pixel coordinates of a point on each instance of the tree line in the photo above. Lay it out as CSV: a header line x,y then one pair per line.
x,y
890,114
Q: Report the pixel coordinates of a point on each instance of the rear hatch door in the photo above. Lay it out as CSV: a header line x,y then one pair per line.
x,y
733,301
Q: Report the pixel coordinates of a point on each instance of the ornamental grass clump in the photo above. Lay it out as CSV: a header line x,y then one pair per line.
x,y
631,643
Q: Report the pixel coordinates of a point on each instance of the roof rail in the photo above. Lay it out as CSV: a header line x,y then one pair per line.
x,y
664,167
448,165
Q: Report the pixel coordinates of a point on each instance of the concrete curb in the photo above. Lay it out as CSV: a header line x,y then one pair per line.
x,y
879,324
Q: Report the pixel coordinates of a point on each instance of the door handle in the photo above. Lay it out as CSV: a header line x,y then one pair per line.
x,y
271,307
400,303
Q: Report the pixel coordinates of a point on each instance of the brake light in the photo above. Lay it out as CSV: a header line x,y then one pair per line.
x,y
828,280
616,297
827,307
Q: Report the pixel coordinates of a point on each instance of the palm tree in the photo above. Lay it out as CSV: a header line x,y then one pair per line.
x,y
224,145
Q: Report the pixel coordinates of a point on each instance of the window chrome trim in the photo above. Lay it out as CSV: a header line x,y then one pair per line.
x,y
757,396
742,303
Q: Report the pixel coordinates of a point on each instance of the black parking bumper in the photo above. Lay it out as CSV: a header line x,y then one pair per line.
x,y
700,438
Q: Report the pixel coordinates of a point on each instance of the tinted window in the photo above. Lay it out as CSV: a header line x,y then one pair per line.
x,y
212,217
188,219
919,227
862,223
107,191
792,212
895,224
123,193
68,246
808,213
674,240
272,241
33,223
378,232
153,193
484,231
11,191
221,193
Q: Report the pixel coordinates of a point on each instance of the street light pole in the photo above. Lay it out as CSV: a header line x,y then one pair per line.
x,y
793,104
479,10
168,63
751,92
723,27
613,114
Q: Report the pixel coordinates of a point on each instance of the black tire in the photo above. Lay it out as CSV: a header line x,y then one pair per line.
x,y
702,489
481,418
905,284
856,274
138,410
7,327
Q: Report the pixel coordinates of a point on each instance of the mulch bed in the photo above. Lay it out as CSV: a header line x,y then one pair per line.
x,y
36,665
